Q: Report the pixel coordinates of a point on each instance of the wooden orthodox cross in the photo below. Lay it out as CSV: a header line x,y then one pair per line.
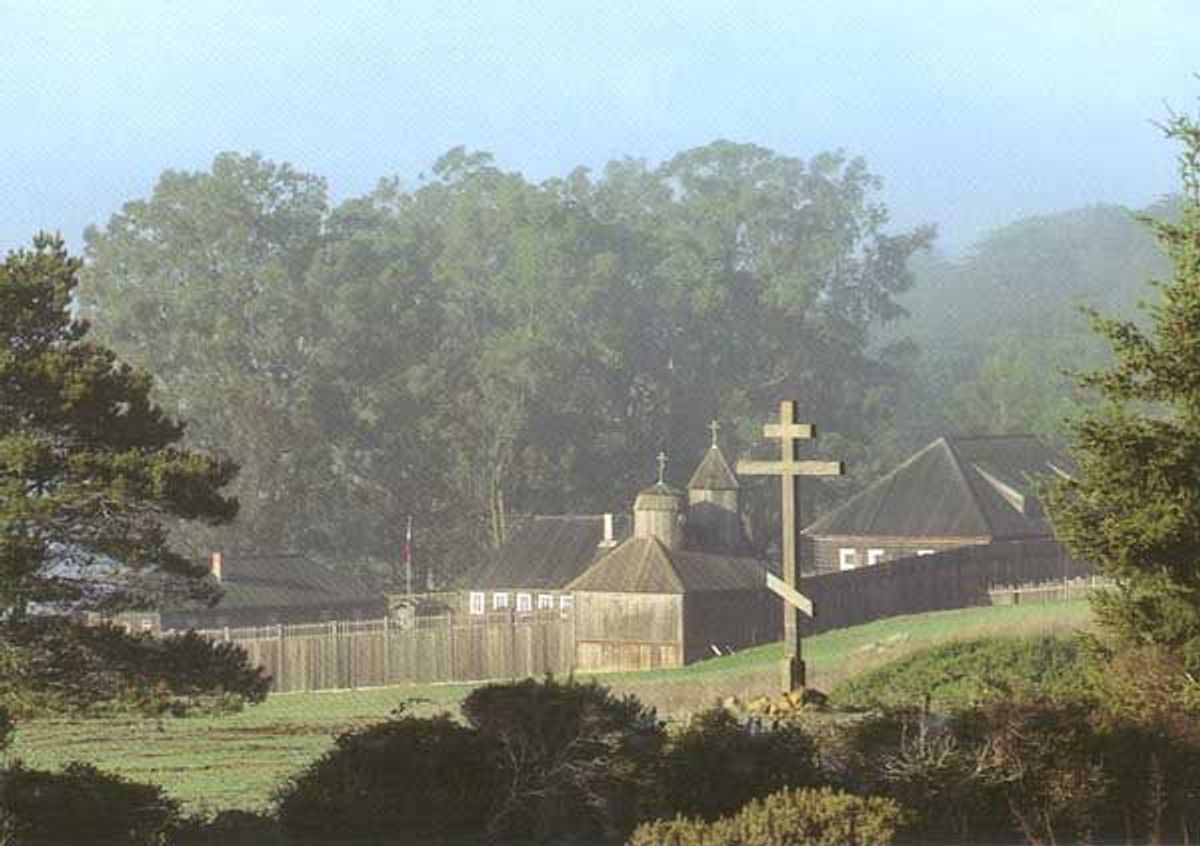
x,y
790,469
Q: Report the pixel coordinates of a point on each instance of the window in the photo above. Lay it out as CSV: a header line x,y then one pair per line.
x,y
565,602
545,601
923,552
476,602
147,625
874,556
499,600
524,602
847,558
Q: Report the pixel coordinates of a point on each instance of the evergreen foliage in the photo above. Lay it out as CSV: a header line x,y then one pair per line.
x,y
1134,509
91,476
90,467
51,666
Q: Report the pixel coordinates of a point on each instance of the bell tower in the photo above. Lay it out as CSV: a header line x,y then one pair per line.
x,y
714,507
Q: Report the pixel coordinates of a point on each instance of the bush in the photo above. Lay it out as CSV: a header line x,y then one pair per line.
x,y
80,804
922,761
231,828
422,777
573,759
717,764
56,666
968,672
789,818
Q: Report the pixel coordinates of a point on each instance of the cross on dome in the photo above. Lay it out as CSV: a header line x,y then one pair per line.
x,y
714,427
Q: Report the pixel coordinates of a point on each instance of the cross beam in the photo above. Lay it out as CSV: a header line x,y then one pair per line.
x,y
790,469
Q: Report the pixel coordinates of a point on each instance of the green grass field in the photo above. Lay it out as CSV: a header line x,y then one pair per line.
x,y
237,761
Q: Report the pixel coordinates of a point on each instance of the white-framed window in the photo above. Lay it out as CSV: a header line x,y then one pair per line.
x,y
545,601
874,556
924,552
499,601
524,602
477,599
565,602
847,558
147,625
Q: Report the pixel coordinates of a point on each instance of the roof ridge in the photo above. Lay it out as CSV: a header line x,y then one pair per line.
x,y
996,437
886,479
956,462
671,565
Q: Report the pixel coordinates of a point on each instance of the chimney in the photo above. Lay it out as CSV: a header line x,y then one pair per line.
x,y
216,566
610,539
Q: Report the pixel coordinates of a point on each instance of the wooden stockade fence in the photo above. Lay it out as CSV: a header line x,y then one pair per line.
x,y
375,653
1035,593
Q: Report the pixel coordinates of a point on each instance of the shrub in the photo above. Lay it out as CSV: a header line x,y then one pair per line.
x,y
573,759
789,818
967,672
717,763
80,804
920,760
1044,758
423,777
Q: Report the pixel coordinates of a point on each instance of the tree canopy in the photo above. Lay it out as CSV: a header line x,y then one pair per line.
x,y
482,346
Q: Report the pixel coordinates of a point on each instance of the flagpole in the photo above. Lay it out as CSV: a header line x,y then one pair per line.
x,y
408,558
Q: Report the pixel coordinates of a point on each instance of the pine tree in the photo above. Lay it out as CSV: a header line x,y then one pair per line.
x,y
1134,508
91,470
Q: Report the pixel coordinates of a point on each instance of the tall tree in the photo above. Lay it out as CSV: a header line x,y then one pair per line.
x,y
206,284
1134,509
483,345
90,468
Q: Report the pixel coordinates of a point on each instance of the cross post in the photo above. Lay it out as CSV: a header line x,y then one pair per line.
x,y
790,469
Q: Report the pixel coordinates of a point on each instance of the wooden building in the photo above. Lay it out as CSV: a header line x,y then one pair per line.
x,y
532,570
262,590
957,491
683,588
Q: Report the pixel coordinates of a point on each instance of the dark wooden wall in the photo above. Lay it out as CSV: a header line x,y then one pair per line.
x,y
958,578
729,620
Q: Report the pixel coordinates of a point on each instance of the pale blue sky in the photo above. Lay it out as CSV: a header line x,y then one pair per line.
x,y
974,112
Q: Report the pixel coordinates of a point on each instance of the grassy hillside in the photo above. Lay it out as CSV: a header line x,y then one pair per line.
x,y
236,761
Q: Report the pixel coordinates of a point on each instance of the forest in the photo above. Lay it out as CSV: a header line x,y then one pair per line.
x,y
479,346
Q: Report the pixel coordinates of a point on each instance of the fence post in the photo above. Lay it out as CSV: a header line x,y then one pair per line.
x,y
279,681
387,650
336,654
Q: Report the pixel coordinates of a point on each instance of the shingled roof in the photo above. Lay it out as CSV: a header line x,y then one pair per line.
x,y
644,565
288,581
547,552
955,487
713,473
